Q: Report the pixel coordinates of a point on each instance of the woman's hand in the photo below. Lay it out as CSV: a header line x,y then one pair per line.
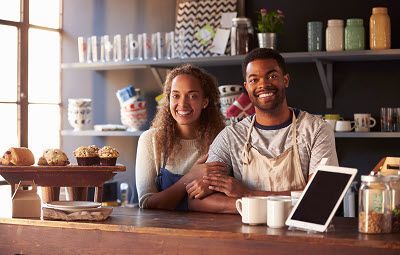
x,y
226,184
201,168
198,189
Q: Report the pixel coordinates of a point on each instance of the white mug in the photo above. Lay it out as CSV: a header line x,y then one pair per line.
x,y
344,126
363,122
278,210
253,210
295,196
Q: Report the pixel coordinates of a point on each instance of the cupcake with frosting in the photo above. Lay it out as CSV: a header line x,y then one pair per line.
x,y
108,156
87,155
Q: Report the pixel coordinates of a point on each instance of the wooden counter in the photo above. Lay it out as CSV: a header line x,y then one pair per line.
x,y
136,231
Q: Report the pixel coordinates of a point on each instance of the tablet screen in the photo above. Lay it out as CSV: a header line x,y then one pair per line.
x,y
321,197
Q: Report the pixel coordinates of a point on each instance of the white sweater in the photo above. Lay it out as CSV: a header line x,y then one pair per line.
x,y
148,164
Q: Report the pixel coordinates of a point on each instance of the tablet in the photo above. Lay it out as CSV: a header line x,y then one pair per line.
x,y
321,198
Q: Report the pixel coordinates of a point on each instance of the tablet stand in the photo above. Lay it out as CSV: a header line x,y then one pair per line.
x,y
330,228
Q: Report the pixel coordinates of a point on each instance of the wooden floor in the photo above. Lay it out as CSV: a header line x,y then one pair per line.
x,y
135,231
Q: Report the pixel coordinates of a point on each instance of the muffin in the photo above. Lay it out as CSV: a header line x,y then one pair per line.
x,y
87,155
53,157
108,156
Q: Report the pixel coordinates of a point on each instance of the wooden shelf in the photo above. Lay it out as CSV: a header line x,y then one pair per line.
x,y
100,133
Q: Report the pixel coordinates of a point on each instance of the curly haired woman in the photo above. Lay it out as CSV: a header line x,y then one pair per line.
x,y
173,152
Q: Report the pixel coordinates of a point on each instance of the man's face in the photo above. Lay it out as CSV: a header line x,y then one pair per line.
x,y
266,84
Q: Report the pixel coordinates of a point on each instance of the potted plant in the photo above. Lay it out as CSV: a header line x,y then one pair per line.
x,y
269,23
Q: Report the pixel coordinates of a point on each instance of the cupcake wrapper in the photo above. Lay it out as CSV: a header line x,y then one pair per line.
x,y
89,161
108,161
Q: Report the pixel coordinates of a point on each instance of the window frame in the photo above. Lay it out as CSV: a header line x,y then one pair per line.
x,y
22,102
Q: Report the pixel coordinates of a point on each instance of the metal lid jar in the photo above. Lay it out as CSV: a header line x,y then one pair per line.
x,y
334,35
354,35
379,29
394,184
242,34
375,214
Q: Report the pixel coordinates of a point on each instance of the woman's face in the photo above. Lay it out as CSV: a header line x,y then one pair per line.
x,y
187,100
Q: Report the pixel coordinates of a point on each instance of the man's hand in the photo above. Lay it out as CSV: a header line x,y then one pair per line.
x,y
198,189
226,184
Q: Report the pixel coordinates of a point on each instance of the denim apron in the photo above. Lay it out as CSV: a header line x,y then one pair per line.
x,y
165,179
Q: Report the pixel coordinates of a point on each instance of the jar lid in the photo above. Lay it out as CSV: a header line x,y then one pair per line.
x,y
335,22
241,20
376,10
358,22
394,177
374,178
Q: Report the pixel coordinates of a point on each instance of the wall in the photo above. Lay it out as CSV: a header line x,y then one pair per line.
x,y
100,17
358,86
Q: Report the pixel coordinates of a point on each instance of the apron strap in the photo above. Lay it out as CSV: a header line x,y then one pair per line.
x,y
246,158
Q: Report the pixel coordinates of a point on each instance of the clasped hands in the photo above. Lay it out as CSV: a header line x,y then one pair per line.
x,y
210,177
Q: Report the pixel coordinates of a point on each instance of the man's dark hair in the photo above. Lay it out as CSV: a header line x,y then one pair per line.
x,y
263,53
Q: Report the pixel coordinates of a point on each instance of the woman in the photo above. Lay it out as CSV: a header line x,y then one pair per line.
x,y
172,153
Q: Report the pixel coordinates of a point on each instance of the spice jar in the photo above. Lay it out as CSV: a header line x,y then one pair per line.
x,y
379,29
354,35
394,184
242,35
334,35
374,206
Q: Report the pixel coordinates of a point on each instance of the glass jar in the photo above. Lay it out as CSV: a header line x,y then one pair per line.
x,y
394,184
375,216
242,35
379,29
354,35
334,35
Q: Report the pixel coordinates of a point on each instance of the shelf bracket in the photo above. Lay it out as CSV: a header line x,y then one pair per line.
x,y
326,76
157,77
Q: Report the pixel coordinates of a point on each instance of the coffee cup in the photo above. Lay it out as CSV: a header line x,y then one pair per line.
x,y
363,122
344,126
332,117
253,210
295,196
279,208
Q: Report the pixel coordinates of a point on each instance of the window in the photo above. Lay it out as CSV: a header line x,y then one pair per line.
x,y
30,77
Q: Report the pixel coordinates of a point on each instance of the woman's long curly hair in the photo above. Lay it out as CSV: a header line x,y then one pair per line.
x,y
211,119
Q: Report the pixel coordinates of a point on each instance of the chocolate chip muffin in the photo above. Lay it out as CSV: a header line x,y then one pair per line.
x,y
53,157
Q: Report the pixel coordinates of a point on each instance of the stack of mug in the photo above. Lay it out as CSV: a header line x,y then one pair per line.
x,y
133,108
228,95
80,113
363,122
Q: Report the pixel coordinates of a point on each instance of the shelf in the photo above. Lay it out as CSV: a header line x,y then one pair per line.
x,y
290,57
138,133
100,133
367,134
322,59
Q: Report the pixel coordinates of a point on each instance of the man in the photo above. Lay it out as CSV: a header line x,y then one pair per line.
x,y
272,152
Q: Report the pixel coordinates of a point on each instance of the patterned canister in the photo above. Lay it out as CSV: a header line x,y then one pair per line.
x,y
314,35
379,29
335,35
354,35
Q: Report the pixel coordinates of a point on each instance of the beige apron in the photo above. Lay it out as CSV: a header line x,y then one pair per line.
x,y
280,173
